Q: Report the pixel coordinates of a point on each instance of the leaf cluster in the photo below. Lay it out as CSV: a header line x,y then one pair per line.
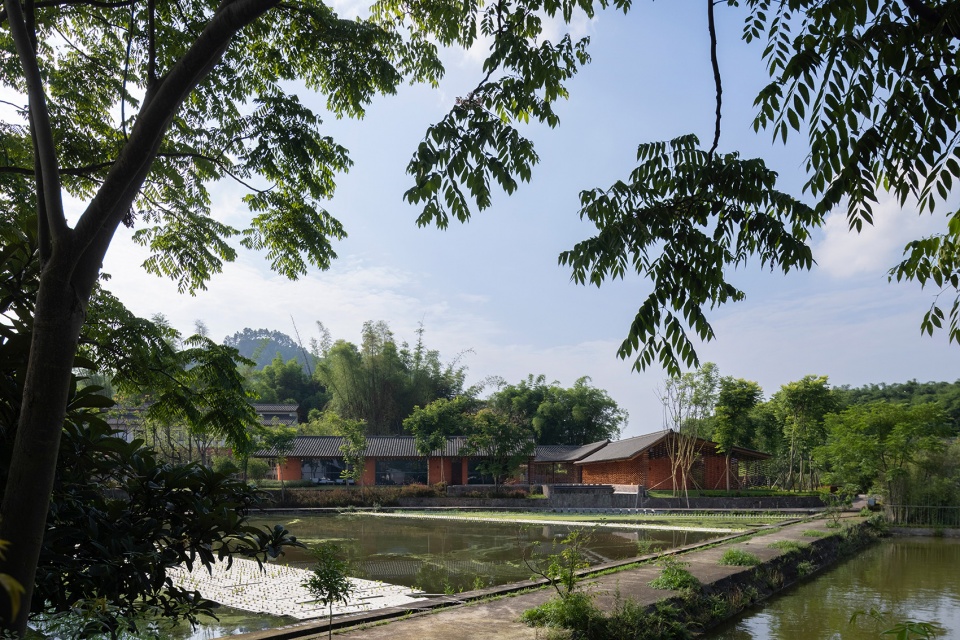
x,y
684,218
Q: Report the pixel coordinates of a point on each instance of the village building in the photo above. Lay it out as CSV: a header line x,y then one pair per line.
x,y
646,461
388,460
643,461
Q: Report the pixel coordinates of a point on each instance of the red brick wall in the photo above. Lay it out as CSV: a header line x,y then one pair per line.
x,y
620,472
659,474
369,472
439,470
289,470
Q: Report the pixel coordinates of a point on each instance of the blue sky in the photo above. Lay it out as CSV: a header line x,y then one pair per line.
x,y
494,286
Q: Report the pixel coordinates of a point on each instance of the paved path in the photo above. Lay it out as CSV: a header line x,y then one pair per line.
x,y
499,619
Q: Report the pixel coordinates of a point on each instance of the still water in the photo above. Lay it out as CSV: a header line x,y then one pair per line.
x,y
436,556
440,556
907,578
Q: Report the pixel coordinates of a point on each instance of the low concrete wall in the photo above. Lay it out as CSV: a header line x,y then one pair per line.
x,y
771,503
472,503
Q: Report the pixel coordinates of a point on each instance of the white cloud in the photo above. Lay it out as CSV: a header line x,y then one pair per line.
x,y
842,253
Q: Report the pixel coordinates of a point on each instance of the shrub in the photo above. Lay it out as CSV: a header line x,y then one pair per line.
x,y
574,611
805,568
674,577
225,464
739,558
257,468
422,491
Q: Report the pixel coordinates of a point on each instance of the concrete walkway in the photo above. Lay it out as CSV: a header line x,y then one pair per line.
x,y
498,619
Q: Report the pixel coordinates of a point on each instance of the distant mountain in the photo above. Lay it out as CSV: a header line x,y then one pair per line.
x,y
262,345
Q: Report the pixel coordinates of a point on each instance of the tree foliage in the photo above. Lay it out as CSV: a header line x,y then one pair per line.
x,y
329,581
558,415
286,381
733,422
802,406
381,381
503,443
872,445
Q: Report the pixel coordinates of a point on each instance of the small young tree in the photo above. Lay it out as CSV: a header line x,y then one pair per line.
x,y
504,445
433,424
353,447
329,582
687,401
280,440
733,425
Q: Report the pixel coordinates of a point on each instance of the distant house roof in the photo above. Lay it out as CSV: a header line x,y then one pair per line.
x,y
633,447
377,447
282,413
566,452
275,408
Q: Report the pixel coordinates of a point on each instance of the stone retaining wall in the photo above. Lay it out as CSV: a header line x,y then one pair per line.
x,y
755,584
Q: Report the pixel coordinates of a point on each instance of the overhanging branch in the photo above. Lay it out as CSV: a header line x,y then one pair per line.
x,y
98,223
711,25
41,130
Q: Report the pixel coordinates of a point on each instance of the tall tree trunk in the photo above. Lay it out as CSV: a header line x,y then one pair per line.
x,y
58,318
728,472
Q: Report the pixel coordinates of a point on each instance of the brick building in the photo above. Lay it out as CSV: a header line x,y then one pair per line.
x,y
645,461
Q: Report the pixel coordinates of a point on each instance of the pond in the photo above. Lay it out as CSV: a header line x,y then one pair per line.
x,y
909,578
438,556
435,556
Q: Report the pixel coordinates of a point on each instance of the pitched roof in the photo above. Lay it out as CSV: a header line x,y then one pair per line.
x,y
632,447
566,452
624,449
274,408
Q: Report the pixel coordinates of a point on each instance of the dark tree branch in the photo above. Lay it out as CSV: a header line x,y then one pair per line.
x,y
216,161
126,73
152,43
41,131
933,18
711,25
67,3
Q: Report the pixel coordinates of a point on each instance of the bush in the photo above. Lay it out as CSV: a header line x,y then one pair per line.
x,y
674,577
574,611
739,558
224,464
257,469
423,491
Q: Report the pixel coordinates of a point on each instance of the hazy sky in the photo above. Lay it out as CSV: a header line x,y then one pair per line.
x,y
494,287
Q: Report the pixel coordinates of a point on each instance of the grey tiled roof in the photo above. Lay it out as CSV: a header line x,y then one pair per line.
x,y
274,408
377,447
566,452
624,449
632,447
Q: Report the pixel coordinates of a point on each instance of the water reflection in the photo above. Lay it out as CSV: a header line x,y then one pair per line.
x,y
440,556
915,578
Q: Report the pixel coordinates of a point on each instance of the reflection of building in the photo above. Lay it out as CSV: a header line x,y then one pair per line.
x,y
641,461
